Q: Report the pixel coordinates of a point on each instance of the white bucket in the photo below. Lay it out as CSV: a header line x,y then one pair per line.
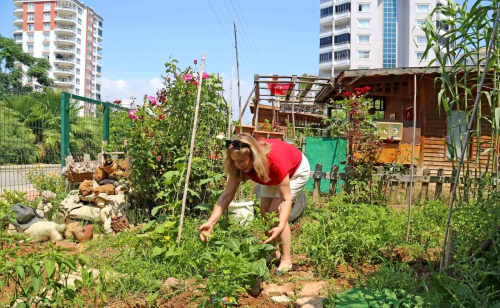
x,y
242,211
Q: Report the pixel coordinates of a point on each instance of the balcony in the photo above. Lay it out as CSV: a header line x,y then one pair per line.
x,y
18,3
60,71
99,47
325,64
18,22
65,30
342,62
65,9
342,45
342,30
325,32
325,48
98,74
99,38
64,62
18,30
19,12
342,15
65,40
326,19
18,38
67,20
66,51
64,82
325,3
99,56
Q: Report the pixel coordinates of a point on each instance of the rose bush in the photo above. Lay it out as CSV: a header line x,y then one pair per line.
x,y
160,136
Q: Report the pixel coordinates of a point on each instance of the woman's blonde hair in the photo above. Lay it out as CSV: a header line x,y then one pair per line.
x,y
258,153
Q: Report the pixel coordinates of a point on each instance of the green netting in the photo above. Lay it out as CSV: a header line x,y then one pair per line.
x,y
327,151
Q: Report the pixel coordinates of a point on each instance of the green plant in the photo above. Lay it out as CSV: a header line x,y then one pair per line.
x,y
7,200
46,180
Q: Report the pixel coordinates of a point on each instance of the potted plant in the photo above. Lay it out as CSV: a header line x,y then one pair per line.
x,y
243,129
275,133
259,135
79,172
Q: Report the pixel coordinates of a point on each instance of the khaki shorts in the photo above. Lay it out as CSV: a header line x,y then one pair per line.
x,y
297,182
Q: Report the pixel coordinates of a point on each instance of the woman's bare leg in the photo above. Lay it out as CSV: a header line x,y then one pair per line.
x,y
286,239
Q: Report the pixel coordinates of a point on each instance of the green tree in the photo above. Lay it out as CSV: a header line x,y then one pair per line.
x,y
11,76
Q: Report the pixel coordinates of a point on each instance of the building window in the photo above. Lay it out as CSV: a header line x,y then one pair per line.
x,y
363,54
78,72
78,51
100,33
342,55
90,15
325,42
420,56
88,75
95,49
93,58
79,41
364,7
88,84
90,26
47,6
31,27
31,17
420,23
89,36
31,37
364,23
422,8
342,39
30,48
389,43
46,36
46,16
456,127
442,26
77,60
100,24
79,31
46,47
79,21
77,79
93,68
46,27
88,65
325,57
89,46
46,57
326,12
89,55
77,91
421,40
31,7
364,39
343,8
93,77
80,11
95,41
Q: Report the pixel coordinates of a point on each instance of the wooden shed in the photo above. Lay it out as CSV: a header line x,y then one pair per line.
x,y
395,88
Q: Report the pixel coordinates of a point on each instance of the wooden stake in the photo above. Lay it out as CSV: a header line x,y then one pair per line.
x,y
238,70
230,102
294,78
410,190
247,102
191,150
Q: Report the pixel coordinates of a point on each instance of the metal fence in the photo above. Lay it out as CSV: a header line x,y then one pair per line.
x,y
39,129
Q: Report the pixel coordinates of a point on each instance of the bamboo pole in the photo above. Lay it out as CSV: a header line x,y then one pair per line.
x,y
230,101
238,71
191,150
444,252
412,155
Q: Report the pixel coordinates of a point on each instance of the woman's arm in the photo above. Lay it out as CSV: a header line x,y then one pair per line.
x,y
285,208
222,203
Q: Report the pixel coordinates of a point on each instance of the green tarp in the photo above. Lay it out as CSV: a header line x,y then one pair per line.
x,y
327,151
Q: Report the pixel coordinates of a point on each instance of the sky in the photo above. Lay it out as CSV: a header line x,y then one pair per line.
x,y
274,37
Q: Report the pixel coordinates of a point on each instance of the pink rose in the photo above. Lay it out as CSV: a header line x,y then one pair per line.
x,y
206,76
188,77
152,100
131,115
195,83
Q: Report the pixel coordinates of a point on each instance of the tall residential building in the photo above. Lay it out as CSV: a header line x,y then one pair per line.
x,y
68,34
365,34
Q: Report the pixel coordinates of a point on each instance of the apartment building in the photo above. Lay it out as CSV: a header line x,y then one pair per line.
x,y
67,33
366,34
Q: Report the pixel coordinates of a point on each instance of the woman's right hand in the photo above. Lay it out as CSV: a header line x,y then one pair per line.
x,y
205,231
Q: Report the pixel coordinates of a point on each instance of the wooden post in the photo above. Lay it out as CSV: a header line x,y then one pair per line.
x,y
394,192
453,175
410,190
439,186
408,193
191,150
294,78
425,185
333,180
317,183
272,119
238,70
230,103
256,124
246,104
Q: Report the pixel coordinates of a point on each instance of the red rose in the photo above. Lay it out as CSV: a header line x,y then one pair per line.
x,y
346,94
161,117
367,89
195,62
357,89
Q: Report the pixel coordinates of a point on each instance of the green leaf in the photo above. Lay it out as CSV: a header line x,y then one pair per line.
x,y
21,305
50,267
156,209
180,166
258,268
169,177
20,271
157,251
148,226
203,207
193,193
37,283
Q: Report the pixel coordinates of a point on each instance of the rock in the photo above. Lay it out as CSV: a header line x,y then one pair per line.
x,y
275,289
312,288
120,223
118,203
89,198
72,227
48,196
117,175
85,212
102,200
281,299
107,189
40,213
109,181
171,283
48,207
70,280
89,232
120,189
85,188
100,174
310,302
44,231
71,202
105,216
66,245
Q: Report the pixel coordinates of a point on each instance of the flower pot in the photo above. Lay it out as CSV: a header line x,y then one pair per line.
x,y
79,177
276,135
241,211
245,129
259,135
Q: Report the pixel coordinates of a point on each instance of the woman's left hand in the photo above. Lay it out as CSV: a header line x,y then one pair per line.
x,y
273,234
